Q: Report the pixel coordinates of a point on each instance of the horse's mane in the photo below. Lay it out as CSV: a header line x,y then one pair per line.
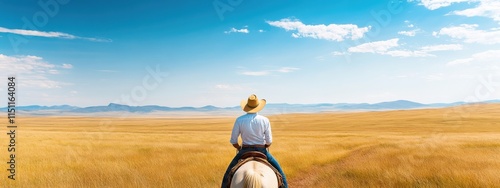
x,y
252,179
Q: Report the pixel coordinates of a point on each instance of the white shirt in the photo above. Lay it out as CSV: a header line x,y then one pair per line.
x,y
254,129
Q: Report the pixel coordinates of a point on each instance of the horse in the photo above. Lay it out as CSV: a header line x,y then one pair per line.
x,y
254,174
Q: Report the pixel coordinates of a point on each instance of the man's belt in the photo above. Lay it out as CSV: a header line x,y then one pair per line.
x,y
253,146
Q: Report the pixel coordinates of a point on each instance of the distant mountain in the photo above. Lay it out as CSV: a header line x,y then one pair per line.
x,y
400,104
271,108
113,107
37,108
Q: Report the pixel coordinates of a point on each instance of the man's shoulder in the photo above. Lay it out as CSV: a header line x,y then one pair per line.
x,y
242,117
253,116
261,117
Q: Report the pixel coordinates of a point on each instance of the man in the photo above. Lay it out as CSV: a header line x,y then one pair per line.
x,y
255,133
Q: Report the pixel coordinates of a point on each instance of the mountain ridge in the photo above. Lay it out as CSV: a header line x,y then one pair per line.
x,y
271,107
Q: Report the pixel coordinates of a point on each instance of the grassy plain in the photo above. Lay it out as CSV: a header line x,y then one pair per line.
x,y
450,147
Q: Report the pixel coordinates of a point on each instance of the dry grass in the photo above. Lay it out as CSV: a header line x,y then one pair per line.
x,y
415,148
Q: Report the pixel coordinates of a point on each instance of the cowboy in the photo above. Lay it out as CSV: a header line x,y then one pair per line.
x,y
255,131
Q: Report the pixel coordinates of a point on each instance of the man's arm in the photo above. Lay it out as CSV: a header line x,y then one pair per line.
x,y
268,135
234,135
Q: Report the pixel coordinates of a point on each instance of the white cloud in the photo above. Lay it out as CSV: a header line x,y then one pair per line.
x,y
37,33
52,71
442,47
436,4
408,24
287,69
460,61
234,30
387,48
256,73
486,56
486,8
67,66
269,72
32,70
490,55
470,34
407,53
379,47
411,33
50,34
337,53
261,31
333,32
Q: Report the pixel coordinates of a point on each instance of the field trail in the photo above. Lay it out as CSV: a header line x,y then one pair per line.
x,y
313,176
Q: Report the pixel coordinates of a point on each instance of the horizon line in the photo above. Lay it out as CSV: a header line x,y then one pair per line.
x,y
267,104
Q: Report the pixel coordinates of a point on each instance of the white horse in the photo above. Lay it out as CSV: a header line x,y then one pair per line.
x,y
254,174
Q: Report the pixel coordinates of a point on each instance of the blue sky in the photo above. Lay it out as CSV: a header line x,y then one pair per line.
x,y
197,53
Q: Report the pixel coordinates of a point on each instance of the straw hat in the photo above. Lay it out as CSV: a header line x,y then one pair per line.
x,y
253,104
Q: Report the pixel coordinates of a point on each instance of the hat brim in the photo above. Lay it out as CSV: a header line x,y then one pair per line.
x,y
246,108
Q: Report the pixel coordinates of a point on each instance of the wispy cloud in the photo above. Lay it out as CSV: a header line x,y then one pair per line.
x,y
256,73
408,53
269,72
333,32
287,69
49,34
442,47
230,87
37,33
387,48
409,24
338,53
380,47
470,34
410,33
486,56
460,61
486,8
436,4
234,30
483,8
222,86
67,66
34,71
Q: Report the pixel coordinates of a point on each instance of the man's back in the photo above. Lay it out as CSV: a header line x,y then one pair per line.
x,y
254,129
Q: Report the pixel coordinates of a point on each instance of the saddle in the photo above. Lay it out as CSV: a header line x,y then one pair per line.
x,y
253,156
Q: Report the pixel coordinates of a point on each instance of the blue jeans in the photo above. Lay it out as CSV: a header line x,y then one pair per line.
x,y
270,158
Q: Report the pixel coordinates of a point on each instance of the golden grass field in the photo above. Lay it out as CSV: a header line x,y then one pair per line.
x,y
410,148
